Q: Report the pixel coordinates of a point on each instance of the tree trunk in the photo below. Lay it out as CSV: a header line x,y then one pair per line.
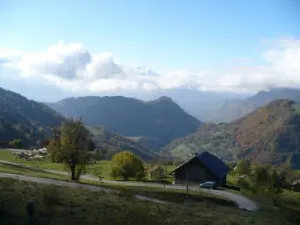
x,y
72,168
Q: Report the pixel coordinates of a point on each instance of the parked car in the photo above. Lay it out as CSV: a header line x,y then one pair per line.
x,y
208,185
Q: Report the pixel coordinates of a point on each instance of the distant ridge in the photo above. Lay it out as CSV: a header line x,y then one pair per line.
x,y
161,118
268,135
235,109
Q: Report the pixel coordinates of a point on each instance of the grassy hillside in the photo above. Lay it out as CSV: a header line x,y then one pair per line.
x,y
162,119
268,135
24,119
152,143
61,205
112,142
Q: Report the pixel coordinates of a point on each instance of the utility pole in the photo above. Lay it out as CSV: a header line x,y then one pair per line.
x,y
187,185
165,171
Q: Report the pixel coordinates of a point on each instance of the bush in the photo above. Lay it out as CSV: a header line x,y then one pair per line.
x,y
115,173
16,143
127,165
157,172
140,175
232,187
243,167
80,169
244,183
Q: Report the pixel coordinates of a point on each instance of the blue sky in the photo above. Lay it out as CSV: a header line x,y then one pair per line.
x,y
164,35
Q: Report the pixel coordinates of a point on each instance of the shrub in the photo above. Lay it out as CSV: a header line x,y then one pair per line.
x,y
244,183
115,173
140,175
127,165
157,172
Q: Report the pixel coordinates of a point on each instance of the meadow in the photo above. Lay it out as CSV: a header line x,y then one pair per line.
x,y
104,165
79,206
61,205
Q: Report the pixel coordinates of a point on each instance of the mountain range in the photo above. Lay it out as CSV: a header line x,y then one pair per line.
x,y
161,120
24,119
265,126
269,135
31,122
237,108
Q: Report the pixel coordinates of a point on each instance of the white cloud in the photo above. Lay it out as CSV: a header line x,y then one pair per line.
x,y
6,53
72,67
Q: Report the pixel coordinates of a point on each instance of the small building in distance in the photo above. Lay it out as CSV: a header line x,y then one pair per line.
x,y
201,168
296,186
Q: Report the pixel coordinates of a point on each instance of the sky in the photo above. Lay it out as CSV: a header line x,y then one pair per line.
x,y
53,49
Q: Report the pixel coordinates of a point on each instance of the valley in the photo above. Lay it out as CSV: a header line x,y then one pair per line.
x,y
150,112
160,119
160,128
266,136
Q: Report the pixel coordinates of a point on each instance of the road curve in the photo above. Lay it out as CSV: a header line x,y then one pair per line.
x,y
241,201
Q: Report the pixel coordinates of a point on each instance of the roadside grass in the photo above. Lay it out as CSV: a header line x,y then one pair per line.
x,y
29,172
62,205
170,195
177,196
287,202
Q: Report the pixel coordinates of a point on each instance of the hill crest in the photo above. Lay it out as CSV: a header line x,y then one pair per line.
x,y
267,135
25,119
161,118
235,109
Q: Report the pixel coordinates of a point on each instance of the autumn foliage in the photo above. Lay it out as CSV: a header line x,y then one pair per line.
x,y
127,165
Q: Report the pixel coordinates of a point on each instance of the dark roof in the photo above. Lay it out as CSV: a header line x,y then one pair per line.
x,y
212,162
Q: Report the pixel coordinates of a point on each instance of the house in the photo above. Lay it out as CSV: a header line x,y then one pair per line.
x,y
296,186
201,168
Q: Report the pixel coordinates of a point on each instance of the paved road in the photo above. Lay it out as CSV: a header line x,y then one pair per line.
x,y
242,201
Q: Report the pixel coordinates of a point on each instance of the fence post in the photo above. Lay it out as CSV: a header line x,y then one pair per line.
x,y
30,212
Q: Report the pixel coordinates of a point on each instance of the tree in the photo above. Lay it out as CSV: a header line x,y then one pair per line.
x,y
260,179
16,143
127,165
243,167
262,176
45,143
277,182
91,145
231,165
70,144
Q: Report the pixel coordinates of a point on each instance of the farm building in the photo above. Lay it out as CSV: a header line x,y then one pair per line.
x,y
296,186
201,168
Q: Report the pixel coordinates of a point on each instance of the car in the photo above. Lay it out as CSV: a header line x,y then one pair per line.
x,y
208,185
